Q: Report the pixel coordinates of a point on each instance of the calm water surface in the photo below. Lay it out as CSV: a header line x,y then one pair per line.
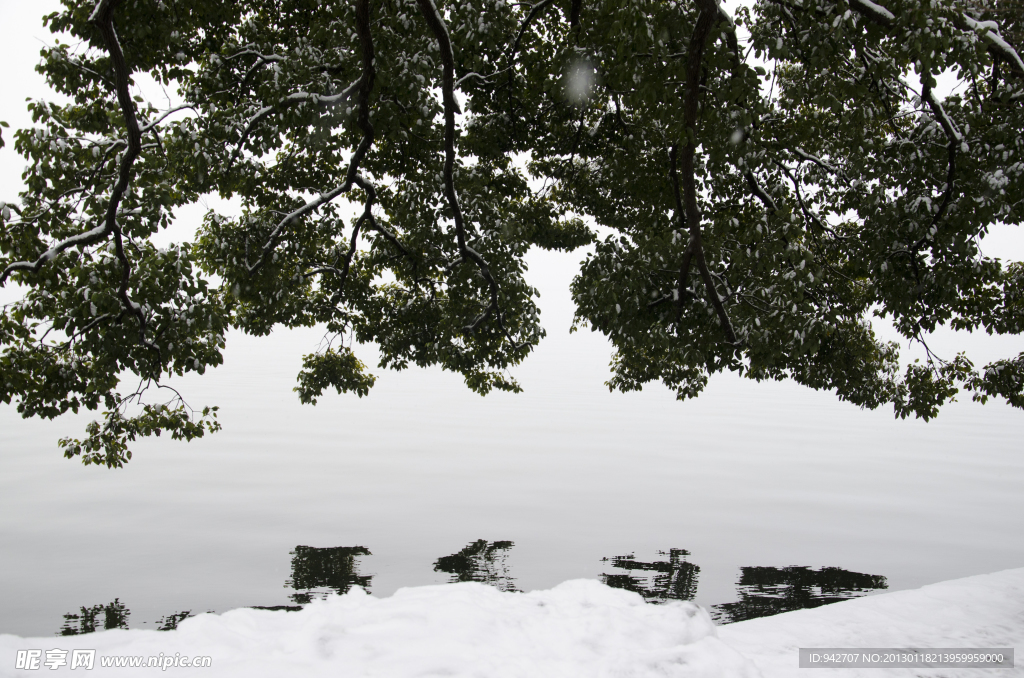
x,y
753,498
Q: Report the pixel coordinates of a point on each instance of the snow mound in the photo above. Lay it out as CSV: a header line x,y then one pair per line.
x,y
579,628
985,611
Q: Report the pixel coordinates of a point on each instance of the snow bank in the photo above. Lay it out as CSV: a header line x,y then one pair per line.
x,y
579,628
982,611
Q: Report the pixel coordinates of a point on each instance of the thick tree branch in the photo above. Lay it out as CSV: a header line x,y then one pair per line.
x,y
437,26
759,193
989,31
574,13
684,266
103,18
708,17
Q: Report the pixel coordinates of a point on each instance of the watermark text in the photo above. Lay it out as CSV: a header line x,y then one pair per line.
x,y
41,660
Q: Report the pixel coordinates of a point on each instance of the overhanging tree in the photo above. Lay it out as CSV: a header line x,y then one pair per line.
x,y
770,181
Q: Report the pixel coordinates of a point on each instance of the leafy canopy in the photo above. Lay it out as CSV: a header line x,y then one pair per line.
x,y
763,185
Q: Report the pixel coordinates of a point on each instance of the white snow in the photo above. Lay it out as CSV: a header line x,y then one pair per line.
x,y
990,31
877,10
577,629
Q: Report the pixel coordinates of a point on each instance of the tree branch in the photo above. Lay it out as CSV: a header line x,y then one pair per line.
x,y
534,12
955,140
709,15
684,267
103,18
365,86
988,30
436,24
759,193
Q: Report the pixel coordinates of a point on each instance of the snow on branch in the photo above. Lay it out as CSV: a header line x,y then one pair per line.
x,y
146,128
940,114
873,11
804,155
989,31
759,192
364,85
80,240
290,100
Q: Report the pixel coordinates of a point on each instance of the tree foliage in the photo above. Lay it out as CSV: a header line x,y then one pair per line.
x,y
757,187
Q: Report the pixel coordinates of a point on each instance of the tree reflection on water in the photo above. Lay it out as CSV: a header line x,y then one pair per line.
x,y
765,591
115,616
672,579
480,561
319,572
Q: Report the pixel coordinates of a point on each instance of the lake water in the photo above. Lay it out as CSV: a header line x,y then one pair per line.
x,y
758,476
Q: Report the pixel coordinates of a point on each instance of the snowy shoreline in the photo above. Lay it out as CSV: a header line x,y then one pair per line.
x,y
983,611
579,628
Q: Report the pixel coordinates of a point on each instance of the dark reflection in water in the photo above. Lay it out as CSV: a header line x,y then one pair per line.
x,y
672,579
765,591
115,616
171,621
322,571
319,572
481,561
316,572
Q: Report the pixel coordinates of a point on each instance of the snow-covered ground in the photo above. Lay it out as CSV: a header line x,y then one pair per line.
x,y
577,629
